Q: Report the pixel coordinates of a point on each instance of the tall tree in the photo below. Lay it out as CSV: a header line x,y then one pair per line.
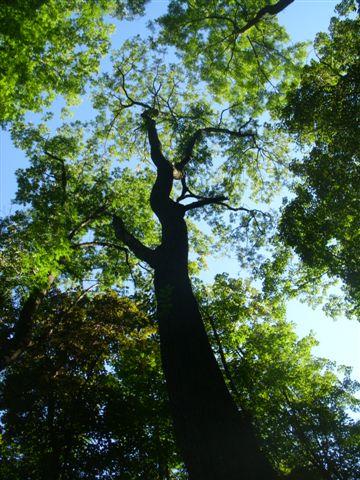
x,y
73,187
64,233
216,439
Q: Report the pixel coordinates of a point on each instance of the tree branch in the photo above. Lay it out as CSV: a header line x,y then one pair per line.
x,y
64,176
267,10
196,137
262,71
127,95
252,211
203,202
157,155
100,244
139,249
160,200
186,192
223,359
110,245
87,220
224,363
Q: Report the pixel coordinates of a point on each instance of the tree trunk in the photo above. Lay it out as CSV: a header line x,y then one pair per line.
x,y
217,441
21,338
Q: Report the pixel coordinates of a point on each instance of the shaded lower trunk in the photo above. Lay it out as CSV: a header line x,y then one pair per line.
x,y
216,440
21,338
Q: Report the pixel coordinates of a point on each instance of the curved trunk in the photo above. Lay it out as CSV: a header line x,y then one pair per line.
x,y
217,442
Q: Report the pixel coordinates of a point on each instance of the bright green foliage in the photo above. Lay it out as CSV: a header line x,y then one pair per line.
x,y
250,68
322,223
88,399
249,65
300,407
51,47
89,377
68,193
245,168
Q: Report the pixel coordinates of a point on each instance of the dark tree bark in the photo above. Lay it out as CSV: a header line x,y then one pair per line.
x,y
217,441
23,327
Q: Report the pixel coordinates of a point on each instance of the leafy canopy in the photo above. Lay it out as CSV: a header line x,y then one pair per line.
x,y
322,221
237,48
52,47
90,374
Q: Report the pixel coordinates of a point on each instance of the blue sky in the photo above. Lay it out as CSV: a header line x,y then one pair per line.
x,y
338,340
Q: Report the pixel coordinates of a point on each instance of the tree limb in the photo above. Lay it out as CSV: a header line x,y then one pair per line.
x,y
139,249
64,176
89,219
157,155
127,95
223,358
186,192
267,10
100,244
110,245
203,202
196,137
24,325
262,71
252,211
160,200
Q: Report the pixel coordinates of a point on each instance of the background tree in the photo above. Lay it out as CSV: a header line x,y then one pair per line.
x,y
297,401
321,224
64,194
87,398
322,221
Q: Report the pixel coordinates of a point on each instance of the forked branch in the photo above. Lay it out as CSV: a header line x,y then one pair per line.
x,y
132,102
220,200
157,155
